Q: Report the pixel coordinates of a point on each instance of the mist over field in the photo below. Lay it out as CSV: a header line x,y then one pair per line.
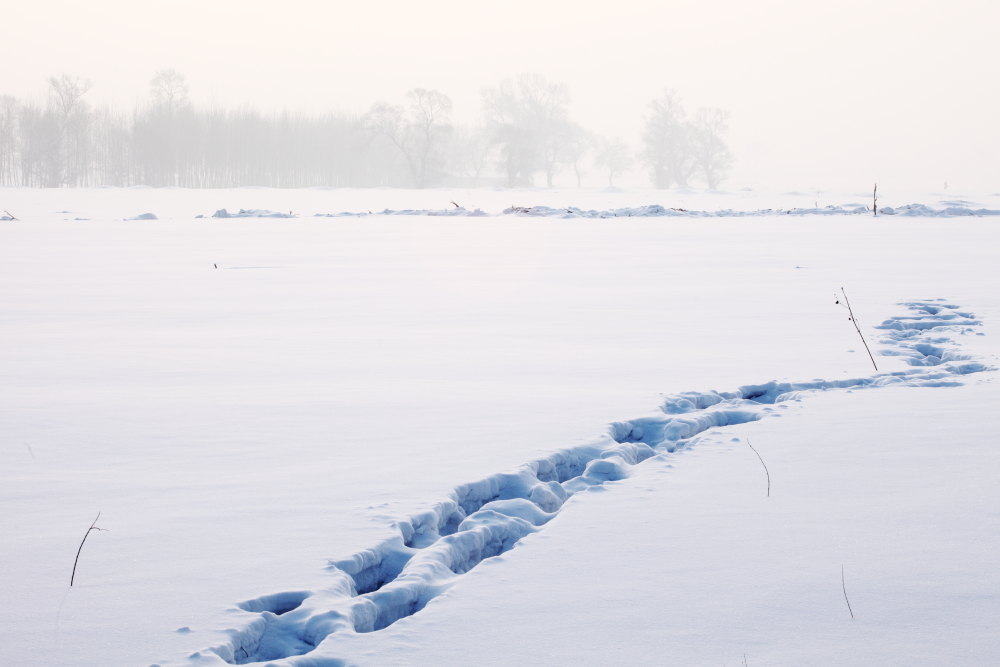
x,y
813,96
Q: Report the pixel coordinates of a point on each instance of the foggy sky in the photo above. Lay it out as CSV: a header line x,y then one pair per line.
x,y
822,94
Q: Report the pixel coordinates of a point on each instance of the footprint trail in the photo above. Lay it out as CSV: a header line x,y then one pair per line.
x,y
430,551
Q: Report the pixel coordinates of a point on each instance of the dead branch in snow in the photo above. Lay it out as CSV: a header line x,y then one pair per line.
x,y
854,321
93,526
844,587
766,471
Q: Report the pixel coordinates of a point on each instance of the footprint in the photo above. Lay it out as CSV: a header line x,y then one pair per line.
x,y
430,551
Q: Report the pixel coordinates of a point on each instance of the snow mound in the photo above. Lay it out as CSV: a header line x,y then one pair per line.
x,y
658,211
430,551
457,212
144,216
922,210
251,213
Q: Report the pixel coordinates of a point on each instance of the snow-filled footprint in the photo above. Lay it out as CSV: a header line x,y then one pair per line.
x,y
430,551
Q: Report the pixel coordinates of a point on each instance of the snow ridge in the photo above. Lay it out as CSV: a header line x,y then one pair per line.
x,y
431,550
457,212
952,209
657,211
251,213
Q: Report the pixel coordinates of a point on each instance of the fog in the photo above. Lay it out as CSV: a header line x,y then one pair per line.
x,y
819,95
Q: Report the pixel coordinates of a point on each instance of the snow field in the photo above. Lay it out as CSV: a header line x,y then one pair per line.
x,y
241,428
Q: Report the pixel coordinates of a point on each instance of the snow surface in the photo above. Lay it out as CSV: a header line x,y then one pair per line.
x,y
380,403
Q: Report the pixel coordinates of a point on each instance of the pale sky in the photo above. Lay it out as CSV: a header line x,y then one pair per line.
x,y
822,94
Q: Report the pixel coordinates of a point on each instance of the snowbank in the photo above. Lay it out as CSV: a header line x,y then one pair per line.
x,y
658,211
251,213
457,212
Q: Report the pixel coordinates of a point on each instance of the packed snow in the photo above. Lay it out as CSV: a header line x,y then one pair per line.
x,y
434,435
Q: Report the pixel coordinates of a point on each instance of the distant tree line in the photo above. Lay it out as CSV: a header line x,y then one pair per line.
x,y
525,134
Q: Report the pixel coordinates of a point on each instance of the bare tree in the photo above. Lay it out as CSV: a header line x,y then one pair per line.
x,y
470,154
420,131
113,159
575,144
711,155
517,153
67,93
9,109
66,99
667,142
529,121
615,157
164,139
39,147
430,123
169,90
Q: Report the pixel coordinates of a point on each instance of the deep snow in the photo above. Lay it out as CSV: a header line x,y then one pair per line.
x,y
240,427
398,577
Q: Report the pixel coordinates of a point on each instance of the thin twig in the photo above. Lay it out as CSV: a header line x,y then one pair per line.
x,y
30,451
93,526
844,586
854,321
766,471
9,214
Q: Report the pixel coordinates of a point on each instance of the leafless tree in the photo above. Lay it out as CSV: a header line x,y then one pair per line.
x,y
471,152
169,89
711,154
575,144
677,149
67,93
420,131
9,109
615,157
667,142
39,147
529,120
66,100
